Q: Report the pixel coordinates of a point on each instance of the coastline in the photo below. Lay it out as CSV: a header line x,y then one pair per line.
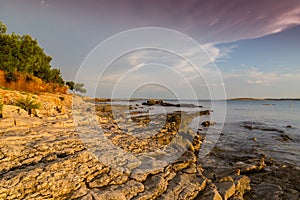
x,y
47,155
263,99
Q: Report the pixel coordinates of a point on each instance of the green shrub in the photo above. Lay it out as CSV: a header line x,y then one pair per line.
x,y
28,104
22,53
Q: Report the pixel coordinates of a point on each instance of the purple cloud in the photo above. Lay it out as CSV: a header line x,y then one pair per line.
x,y
208,21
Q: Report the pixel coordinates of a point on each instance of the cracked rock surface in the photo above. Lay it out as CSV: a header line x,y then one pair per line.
x,y
65,155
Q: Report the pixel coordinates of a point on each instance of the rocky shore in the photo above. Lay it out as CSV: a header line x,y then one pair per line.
x,y
159,102
60,152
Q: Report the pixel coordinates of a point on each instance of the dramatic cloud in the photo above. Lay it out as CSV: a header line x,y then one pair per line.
x,y
69,30
208,21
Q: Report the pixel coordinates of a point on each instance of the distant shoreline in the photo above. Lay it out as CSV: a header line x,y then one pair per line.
x,y
263,99
230,99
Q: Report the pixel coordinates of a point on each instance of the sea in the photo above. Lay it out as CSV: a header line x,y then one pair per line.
x,y
274,124
271,127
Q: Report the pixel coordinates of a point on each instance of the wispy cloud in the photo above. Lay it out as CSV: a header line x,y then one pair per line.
x,y
230,21
253,76
43,3
257,82
285,20
260,78
254,83
214,21
217,53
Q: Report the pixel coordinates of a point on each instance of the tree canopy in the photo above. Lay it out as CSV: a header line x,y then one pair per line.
x,y
77,87
70,84
23,54
2,28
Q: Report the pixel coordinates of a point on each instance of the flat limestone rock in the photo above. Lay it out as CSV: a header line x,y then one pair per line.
x,y
89,155
184,186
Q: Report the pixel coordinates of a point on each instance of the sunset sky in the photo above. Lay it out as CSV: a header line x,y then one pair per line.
x,y
254,44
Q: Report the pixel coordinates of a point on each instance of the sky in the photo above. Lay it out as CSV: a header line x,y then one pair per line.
x,y
245,48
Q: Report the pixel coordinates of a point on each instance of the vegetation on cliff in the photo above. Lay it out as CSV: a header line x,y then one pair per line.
x,y
22,53
28,104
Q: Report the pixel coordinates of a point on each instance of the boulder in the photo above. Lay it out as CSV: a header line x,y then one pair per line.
x,y
207,123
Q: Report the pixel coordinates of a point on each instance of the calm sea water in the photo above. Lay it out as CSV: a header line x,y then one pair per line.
x,y
269,119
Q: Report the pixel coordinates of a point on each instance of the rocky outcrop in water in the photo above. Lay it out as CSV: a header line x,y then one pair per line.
x,y
159,102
